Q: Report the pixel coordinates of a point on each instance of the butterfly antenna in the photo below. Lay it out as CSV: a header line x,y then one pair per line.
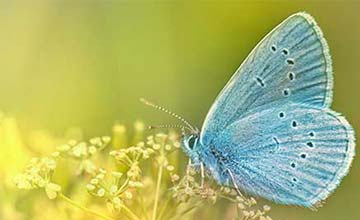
x,y
182,127
190,127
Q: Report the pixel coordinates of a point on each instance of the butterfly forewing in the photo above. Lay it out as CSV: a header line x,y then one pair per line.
x,y
292,62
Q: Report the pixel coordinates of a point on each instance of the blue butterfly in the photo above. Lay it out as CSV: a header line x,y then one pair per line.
x,y
271,132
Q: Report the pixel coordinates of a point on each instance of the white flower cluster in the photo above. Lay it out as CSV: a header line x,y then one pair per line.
x,y
38,174
116,190
83,152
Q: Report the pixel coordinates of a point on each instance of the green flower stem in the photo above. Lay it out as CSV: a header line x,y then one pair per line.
x,y
141,203
186,211
163,209
158,183
171,211
123,186
130,213
238,212
89,211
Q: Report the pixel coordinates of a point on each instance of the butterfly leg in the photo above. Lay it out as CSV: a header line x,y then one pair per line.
x,y
188,166
234,183
188,170
202,170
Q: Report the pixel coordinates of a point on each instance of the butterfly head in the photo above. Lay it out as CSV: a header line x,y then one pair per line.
x,y
191,145
190,141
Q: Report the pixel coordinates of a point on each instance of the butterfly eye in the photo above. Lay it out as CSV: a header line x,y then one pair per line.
x,y
192,141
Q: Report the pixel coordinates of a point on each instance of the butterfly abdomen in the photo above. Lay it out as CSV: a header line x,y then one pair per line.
x,y
218,162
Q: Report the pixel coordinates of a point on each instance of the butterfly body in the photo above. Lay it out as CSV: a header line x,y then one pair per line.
x,y
271,130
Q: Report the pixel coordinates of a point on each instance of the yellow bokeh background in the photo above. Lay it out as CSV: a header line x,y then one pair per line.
x,y
85,64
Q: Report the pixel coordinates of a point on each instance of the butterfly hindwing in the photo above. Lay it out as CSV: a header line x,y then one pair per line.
x,y
291,63
289,153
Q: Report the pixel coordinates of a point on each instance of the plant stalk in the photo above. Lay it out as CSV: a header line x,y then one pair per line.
x,y
89,211
158,184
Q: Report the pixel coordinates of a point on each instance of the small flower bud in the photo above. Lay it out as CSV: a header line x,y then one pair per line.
x,y
175,177
95,141
266,208
101,192
52,190
252,201
135,184
188,190
140,144
241,206
113,189
100,176
106,139
251,213
63,148
170,167
72,142
94,181
128,195
177,144
246,213
90,187
117,201
156,146
92,150
168,147
55,154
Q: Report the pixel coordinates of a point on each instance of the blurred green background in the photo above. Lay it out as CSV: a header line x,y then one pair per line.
x,y
86,64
